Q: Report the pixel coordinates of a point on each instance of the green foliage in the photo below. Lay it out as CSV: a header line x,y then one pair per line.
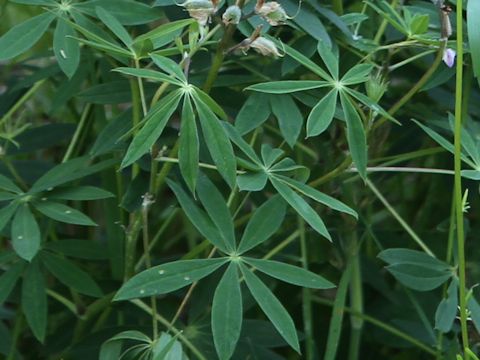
x,y
169,177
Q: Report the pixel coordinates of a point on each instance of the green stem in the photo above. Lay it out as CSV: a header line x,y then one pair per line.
x,y
17,330
76,135
21,101
458,181
306,298
356,299
380,324
402,222
337,6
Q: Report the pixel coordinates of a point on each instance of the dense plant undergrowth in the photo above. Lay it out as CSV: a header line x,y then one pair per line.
x,y
239,180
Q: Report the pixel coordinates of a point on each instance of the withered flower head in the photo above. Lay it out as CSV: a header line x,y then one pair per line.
x,y
232,15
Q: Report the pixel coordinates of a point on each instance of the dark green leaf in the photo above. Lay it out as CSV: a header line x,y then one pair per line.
x,y
357,74
155,122
328,57
169,66
9,185
213,201
198,217
26,235
288,86
274,310
356,137
265,221
188,151
34,300
23,36
290,119
71,275
63,213
447,309
291,274
81,249
322,114
79,193
227,313
254,112
8,280
302,207
148,74
252,181
218,142
66,49
114,25
7,212
168,277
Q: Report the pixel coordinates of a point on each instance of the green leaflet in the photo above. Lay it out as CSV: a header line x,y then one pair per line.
x,y
302,207
23,36
291,274
272,307
265,221
198,217
356,137
216,207
155,122
66,49
188,151
9,278
114,25
168,277
71,275
290,119
287,86
34,300
447,309
322,114
227,313
25,233
473,24
63,213
217,141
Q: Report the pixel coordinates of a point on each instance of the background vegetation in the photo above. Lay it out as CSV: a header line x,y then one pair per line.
x,y
245,180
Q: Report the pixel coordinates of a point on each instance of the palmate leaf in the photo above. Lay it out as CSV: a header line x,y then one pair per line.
x,y
272,307
290,119
329,58
227,313
169,66
155,122
168,277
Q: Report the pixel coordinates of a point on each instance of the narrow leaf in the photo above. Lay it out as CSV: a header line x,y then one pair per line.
x,y
66,49
188,151
168,277
8,280
114,25
71,275
291,274
25,233
63,213
322,114
227,313
265,222
287,86
34,300
356,137
302,207
272,307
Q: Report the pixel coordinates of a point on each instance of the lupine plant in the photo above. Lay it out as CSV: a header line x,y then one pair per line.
x,y
173,184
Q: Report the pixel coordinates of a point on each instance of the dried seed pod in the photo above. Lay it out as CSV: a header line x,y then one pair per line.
x,y
265,47
232,15
272,12
200,10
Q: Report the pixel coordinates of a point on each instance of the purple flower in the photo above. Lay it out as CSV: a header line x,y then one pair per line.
x,y
449,57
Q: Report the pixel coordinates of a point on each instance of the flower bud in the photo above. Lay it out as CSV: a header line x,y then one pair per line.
x,y
449,57
272,12
200,10
265,47
376,87
232,15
